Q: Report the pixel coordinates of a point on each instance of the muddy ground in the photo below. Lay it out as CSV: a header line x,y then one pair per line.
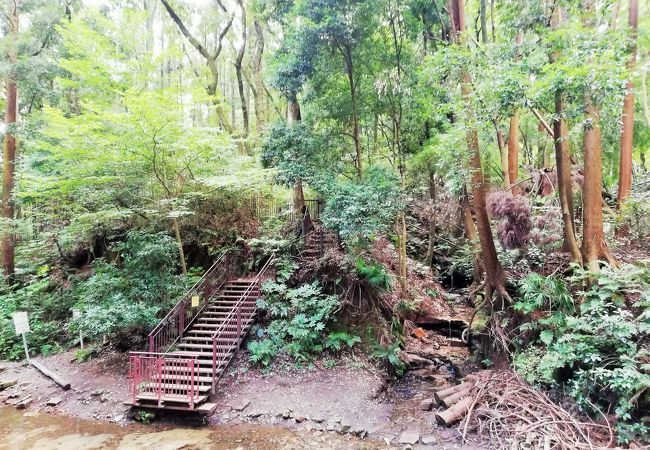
x,y
350,399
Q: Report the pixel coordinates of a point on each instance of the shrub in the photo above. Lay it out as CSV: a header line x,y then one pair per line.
x,y
597,351
299,319
514,211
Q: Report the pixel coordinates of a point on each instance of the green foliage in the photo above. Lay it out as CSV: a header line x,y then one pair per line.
x,y
595,352
375,274
390,353
124,302
299,319
363,209
335,341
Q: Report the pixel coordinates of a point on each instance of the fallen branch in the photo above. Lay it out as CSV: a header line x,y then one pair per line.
x,y
65,384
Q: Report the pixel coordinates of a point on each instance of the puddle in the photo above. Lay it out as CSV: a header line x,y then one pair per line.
x,y
20,431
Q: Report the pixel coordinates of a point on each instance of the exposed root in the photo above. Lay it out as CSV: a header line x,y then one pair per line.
x,y
515,413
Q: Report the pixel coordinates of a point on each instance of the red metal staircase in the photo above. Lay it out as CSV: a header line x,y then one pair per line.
x,y
191,347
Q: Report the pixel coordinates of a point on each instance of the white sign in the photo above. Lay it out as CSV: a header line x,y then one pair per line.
x,y
21,322
76,313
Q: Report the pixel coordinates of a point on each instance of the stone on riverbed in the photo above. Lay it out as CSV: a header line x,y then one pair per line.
x,y
409,437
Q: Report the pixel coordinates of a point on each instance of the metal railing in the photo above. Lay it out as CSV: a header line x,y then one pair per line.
x,y
163,378
172,327
229,334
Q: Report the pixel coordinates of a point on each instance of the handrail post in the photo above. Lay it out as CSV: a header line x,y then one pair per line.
x,y
238,326
181,320
191,391
214,364
151,346
159,365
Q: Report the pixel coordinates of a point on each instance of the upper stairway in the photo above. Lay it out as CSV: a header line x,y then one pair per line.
x,y
192,346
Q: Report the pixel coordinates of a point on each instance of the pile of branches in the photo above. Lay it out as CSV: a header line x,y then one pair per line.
x,y
517,415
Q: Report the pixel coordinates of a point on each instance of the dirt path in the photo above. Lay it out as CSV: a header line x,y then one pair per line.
x,y
348,401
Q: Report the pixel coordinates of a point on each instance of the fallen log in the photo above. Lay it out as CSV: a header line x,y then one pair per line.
x,y
455,413
65,384
440,395
4,384
447,402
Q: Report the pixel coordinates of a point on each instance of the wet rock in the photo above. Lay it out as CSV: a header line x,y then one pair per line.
x,y
408,437
426,404
429,439
54,401
239,405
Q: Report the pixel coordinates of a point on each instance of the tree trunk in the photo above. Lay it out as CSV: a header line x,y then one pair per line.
x,y
483,12
9,154
432,219
260,109
238,69
494,274
563,164
627,133
503,156
349,64
513,134
298,198
513,148
179,242
593,237
294,109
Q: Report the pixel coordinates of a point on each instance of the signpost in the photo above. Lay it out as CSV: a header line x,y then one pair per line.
x,y
21,323
75,315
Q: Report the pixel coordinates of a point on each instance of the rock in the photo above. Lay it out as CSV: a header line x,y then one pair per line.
x,y
4,384
317,419
286,414
96,393
54,401
332,426
359,431
426,404
429,439
344,428
300,419
23,402
239,405
408,437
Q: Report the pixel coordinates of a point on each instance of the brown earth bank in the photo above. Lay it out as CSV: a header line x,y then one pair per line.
x,y
346,406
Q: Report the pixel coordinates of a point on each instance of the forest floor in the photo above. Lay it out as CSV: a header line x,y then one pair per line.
x,y
350,400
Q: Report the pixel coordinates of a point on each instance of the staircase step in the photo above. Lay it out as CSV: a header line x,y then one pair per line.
x,y
178,387
170,398
202,347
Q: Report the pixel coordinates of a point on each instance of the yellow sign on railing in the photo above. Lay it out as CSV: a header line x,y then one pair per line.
x,y
195,301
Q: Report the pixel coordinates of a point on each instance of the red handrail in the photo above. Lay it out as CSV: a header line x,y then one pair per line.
x,y
163,377
178,319
229,332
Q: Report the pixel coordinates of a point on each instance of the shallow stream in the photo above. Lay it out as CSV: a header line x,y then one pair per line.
x,y
29,430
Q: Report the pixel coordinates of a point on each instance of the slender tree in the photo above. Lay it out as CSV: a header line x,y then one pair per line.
x,y
563,160
210,57
494,274
238,69
627,133
9,154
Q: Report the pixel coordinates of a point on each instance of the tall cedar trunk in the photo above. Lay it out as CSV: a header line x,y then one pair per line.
x,y
646,112
432,218
593,238
513,133
210,58
9,154
483,12
260,109
494,274
349,65
503,156
627,133
401,249
238,70
298,194
563,163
